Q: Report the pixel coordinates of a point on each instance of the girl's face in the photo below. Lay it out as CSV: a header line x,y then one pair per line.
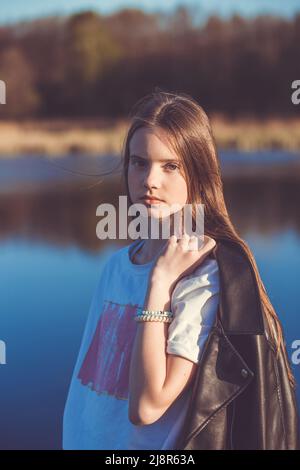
x,y
155,170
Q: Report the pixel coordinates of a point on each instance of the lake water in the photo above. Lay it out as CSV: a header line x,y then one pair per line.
x,y
51,260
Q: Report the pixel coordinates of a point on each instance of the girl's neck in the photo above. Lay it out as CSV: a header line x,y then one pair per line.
x,y
151,246
148,250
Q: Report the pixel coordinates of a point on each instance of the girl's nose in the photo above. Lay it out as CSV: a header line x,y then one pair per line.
x,y
152,178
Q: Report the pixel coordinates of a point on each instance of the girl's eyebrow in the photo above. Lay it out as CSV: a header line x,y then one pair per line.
x,y
161,160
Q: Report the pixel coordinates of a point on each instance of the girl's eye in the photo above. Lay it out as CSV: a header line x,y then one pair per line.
x,y
172,166
140,163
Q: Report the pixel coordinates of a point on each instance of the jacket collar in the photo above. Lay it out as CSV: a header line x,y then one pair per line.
x,y
240,310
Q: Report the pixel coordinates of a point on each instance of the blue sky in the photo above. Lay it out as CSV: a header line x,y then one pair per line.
x,y
16,10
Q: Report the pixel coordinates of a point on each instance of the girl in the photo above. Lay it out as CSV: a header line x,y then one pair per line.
x,y
133,381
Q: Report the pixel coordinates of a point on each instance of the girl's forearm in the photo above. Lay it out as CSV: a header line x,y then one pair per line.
x,y
148,365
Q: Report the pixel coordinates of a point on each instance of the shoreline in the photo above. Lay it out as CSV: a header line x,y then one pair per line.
x,y
59,137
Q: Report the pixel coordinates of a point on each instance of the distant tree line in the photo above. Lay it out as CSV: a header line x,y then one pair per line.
x,y
89,64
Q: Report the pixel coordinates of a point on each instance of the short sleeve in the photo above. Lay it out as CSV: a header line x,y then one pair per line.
x,y
194,303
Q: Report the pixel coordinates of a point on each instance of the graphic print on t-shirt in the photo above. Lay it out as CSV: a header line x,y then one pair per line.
x,y
105,368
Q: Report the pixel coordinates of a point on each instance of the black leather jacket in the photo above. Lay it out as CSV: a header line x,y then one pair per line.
x,y
241,396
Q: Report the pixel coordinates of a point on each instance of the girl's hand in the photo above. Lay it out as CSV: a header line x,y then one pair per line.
x,y
178,259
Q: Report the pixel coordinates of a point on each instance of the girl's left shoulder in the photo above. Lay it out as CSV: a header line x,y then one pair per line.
x,y
208,266
204,277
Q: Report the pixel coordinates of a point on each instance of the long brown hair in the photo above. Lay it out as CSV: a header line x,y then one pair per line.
x,y
190,135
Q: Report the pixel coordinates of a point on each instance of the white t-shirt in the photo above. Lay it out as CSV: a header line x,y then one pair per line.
x,y
96,410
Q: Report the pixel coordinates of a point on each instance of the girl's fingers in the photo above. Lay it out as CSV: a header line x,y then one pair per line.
x,y
173,240
208,245
193,245
184,241
211,243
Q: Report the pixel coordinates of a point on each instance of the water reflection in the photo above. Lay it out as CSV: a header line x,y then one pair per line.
x,y
66,213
